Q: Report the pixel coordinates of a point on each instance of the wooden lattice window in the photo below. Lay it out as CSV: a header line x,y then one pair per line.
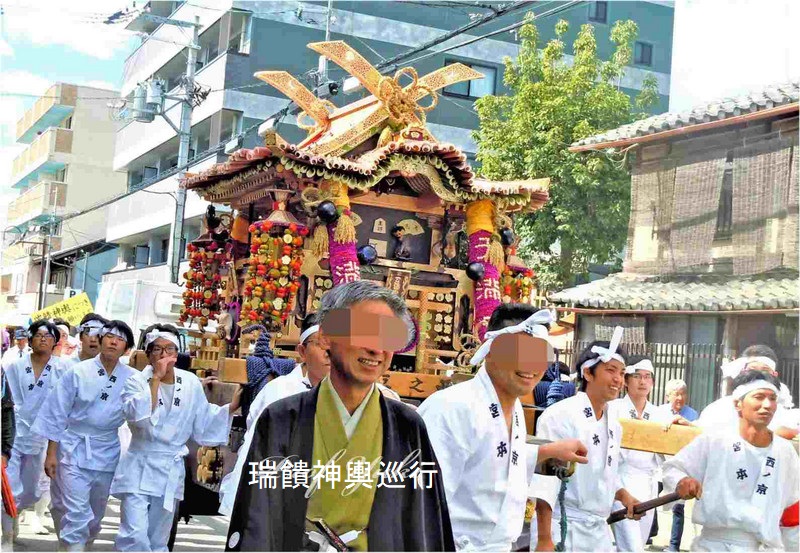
x,y
725,209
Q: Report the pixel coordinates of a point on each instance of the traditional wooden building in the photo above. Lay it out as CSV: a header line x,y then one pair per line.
x,y
712,251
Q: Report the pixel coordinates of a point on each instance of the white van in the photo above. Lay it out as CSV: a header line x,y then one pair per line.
x,y
140,303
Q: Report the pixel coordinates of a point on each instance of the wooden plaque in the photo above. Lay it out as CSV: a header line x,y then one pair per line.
x,y
398,281
415,385
650,436
233,370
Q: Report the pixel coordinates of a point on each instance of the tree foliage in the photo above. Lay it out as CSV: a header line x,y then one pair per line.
x,y
527,133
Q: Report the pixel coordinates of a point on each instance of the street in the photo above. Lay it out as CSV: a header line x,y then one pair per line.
x,y
203,533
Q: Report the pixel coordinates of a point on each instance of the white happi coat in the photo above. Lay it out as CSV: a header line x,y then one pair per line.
x,y
591,489
486,471
29,396
745,489
153,464
13,354
84,413
639,473
278,388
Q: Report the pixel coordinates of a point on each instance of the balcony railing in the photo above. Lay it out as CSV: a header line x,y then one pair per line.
x,y
52,141
48,111
46,199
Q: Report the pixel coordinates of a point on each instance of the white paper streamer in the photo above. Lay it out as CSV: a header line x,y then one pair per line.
x,y
606,354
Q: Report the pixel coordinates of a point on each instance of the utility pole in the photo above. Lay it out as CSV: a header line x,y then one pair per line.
x,y
176,231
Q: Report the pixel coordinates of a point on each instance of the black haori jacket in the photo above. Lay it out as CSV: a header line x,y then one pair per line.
x,y
402,519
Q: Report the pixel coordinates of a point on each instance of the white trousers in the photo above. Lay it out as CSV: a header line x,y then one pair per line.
x,y
588,533
725,540
631,535
144,524
25,474
80,500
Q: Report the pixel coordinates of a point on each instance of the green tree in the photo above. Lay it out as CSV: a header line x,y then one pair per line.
x,y
527,135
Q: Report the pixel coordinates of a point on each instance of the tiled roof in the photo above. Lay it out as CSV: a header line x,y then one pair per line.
x,y
770,97
652,293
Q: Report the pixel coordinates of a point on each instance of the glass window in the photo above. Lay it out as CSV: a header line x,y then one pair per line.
x,y
476,88
643,54
598,12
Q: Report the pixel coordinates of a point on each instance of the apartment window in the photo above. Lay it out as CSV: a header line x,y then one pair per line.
x,y
164,249
149,173
725,209
141,256
643,54
61,175
241,30
476,88
67,124
598,12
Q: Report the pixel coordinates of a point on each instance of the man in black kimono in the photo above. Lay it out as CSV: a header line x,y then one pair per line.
x,y
339,422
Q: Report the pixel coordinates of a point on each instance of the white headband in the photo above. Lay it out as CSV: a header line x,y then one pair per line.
x,y
533,326
93,327
606,354
313,329
735,367
643,365
151,336
745,389
64,327
114,331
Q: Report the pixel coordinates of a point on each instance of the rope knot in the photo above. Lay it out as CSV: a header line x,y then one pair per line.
x,y
402,103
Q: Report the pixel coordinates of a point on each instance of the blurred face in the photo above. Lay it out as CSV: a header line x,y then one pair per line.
x,y
607,380
758,407
315,359
162,348
113,346
90,344
22,343
677,398
43,341
361,347
516,363
639,384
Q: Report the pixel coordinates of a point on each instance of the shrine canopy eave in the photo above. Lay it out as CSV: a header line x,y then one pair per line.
x,y
248,173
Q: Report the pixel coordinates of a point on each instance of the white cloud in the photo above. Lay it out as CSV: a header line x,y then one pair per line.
x,y
77,25
5,49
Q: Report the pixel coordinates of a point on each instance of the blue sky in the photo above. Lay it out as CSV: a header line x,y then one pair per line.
x,y
47,41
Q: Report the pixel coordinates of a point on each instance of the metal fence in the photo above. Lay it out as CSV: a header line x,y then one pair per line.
x,y
696,364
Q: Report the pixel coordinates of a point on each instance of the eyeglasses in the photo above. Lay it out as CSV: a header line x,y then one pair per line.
x,y
165,349
43,336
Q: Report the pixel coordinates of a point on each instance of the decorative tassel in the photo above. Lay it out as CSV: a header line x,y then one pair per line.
x,y
319,243
496,256
345,229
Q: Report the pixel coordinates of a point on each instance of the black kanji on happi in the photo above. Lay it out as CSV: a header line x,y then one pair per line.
x,y
178,379
29,370
502,449
160,402
741,474
633,413
609,460
596,439
737,446
587,412
514,457
104,396
761,489
30,386
646,416
113,378
494,410
177,402
40,383
100,372
611,433
771,462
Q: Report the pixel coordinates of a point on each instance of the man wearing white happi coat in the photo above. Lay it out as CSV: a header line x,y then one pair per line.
x,y
314,366
80,420
743,479
593,488
638,470
478,432
30,379
720,415
164,407
16,351
88,338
